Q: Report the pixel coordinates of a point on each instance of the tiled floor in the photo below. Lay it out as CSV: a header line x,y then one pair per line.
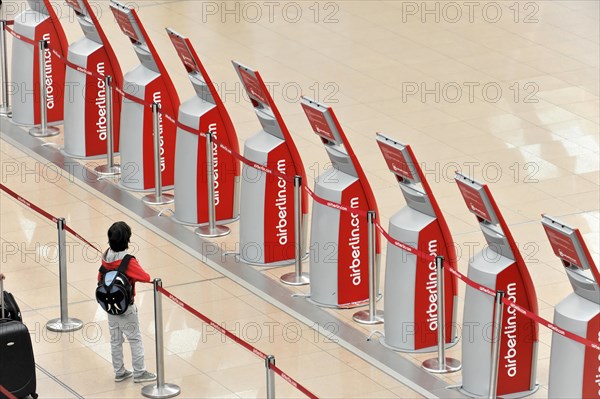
x,y
536,145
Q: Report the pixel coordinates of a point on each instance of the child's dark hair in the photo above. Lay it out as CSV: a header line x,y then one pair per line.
x,y
118,236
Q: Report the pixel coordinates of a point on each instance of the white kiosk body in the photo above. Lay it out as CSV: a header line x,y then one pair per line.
x,y
499,266
37,23
85,100
575,368
150,83
267,236
339,272
204,112
411,282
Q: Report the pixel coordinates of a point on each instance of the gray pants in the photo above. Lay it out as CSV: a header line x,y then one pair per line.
x,y
126,325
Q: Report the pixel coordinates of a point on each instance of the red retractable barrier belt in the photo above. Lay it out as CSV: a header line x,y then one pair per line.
x,y
403,246
19,36
293,382
45,214
208,321
334,205
132,98
472,283
5,392
552,326
236,339
28,204
75,66
527,313
10,22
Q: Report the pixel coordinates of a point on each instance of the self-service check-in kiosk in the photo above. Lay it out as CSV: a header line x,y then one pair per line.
x,y
575,368
267,225
39,22
150,83
411,282
204,112
339,274
499,266
85,100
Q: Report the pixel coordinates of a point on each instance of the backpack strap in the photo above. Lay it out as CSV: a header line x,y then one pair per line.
x,y
122,266
124,263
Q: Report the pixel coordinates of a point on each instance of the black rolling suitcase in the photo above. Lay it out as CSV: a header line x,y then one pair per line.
x,y
17,365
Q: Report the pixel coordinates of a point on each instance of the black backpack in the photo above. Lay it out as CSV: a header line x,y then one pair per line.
x,y
114,292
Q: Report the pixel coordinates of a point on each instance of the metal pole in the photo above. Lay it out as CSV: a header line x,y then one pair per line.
x,y
158,198
496,340
211,229
443,364
160,389
372,316
270,360
297,277
110,169
43,130
64,323
5,107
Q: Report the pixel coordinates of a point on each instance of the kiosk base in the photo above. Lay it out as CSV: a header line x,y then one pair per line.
x,y
515,395
423,350
342,306
286,262
182,222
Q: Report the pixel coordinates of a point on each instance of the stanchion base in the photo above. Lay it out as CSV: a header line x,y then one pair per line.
x,y
515,395
153,199
433,366
57,325
156,392
50,131
363,317
105,170
218,231
293,279
5,112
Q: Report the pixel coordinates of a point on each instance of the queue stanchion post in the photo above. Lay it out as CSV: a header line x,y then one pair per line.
x,y
5,106
441,364
110,169
64,323
496,340
372,315
158,198
269,361
160,389
297,277
43,130
211,229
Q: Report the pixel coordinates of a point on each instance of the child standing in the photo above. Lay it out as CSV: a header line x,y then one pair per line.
x,y
126,324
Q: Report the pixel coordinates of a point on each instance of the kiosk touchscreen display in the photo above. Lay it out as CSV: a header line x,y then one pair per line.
x,y
126,23
253,86
397,158
317,117
476,199
76,6
183,51
564,242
